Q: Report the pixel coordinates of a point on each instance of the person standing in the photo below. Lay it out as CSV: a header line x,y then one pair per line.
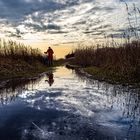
x,y
49,56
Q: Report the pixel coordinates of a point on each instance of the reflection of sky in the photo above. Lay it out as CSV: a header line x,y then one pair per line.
x,y
90,99
60,21
115,109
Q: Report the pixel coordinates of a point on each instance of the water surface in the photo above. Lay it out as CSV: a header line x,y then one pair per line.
x,y
65,106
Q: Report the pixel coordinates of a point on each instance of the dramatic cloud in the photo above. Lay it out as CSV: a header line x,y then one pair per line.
x,y
61,21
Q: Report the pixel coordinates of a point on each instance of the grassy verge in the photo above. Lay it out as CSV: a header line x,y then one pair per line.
x,y
111,76
20,69
59,62
11,68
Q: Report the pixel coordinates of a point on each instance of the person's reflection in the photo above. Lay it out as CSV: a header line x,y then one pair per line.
x,y
50,78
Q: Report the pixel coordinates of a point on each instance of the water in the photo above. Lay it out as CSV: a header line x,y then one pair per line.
x,y
66,106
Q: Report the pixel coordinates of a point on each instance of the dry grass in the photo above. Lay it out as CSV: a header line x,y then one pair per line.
x,y
14,50
18,60
123,61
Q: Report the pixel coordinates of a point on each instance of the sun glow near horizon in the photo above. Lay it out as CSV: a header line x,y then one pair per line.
x,y
60,50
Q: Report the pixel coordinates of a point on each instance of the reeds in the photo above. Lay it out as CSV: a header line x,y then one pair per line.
x,y
125,55
13,50
122,62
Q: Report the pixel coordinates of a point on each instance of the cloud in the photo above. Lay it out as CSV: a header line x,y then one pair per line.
x,y
20,8
58,32
41,27
65,20
53,27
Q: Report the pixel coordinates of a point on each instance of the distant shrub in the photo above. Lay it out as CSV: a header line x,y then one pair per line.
x,y
70,55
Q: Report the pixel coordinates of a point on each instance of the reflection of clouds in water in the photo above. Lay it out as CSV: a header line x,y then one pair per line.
x,y
81,102
87,99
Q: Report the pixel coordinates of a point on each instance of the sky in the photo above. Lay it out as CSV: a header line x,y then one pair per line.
x,y
60,22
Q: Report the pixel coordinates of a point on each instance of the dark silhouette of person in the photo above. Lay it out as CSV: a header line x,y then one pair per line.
x,y
50,78
49,56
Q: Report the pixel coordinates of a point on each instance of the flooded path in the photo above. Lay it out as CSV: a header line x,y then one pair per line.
x,y
65,106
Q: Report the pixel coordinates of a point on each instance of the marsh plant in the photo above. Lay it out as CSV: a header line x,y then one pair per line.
x,y
13,50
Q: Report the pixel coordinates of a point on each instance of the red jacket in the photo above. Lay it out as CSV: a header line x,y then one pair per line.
x,y
50,53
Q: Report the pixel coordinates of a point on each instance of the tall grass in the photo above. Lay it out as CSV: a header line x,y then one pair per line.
x,y
13,50
122,59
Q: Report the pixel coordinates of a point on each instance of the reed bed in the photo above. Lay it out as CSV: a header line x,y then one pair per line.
x,y
124,59
13,50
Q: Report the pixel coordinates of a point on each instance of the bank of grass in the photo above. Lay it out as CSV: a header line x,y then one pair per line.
x,y
110,76
11,68
20,61
117,64
59,62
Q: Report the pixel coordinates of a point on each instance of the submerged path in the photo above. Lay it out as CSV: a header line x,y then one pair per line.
x,y
65,106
